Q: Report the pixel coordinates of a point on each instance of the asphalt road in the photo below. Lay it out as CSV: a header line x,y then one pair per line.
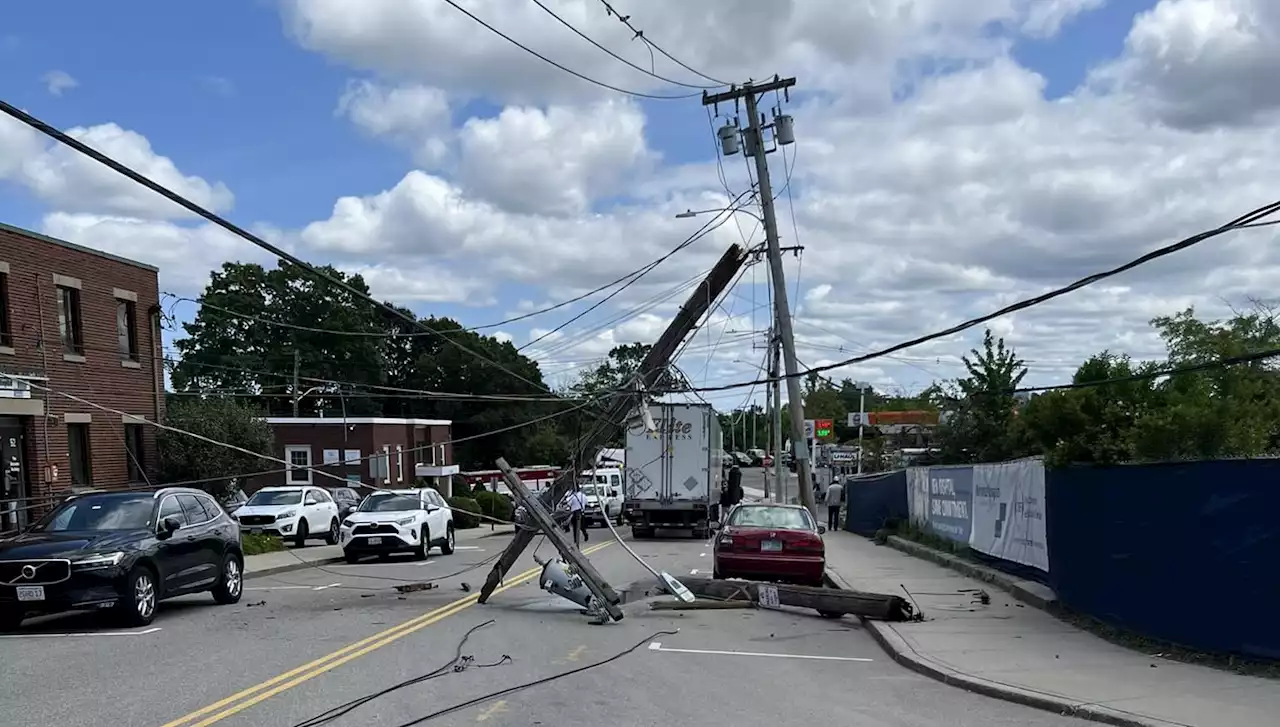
x,y
304,642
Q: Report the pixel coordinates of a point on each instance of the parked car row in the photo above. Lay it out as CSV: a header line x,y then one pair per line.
x,y
750,458
124,552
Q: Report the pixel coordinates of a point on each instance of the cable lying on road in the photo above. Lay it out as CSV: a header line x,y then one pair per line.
x,y
537,682
456,665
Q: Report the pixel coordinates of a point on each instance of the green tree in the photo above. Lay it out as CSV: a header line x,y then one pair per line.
x,y
249,328
184,458
979,428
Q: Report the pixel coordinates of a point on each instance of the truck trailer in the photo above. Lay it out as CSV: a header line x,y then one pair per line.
x,y
673,473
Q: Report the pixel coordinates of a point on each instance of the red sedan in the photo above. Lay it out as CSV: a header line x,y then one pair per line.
x,y
769,542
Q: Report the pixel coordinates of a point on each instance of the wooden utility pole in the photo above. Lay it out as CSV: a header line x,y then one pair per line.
x,y
754,146
620,406
297,369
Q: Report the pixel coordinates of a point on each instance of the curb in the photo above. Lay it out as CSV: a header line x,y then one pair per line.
x,y
277,570
902,652
1029,592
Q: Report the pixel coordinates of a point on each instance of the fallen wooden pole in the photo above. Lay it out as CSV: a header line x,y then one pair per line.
x,y
879,606
699,605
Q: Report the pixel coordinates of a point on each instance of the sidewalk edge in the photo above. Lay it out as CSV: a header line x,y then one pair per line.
x,y
277,570
1029,592
901,652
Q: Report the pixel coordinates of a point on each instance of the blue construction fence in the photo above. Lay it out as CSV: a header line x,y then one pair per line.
x,y
1187,552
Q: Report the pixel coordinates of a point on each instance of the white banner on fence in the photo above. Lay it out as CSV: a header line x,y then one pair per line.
x,y
918,495
1009,512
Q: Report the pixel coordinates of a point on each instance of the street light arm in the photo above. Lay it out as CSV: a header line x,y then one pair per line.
x,y
687,214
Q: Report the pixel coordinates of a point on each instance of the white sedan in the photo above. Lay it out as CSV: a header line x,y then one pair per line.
x,y
392,521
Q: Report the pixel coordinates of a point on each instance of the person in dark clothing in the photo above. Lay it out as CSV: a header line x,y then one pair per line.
x,y
726,500
735,485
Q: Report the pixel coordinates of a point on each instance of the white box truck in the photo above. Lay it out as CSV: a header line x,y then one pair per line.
x,y
673,473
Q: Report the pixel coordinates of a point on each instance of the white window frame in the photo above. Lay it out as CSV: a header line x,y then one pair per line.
x,y
291,467
399,463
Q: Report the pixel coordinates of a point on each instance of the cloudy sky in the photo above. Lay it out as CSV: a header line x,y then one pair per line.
x,y
951,157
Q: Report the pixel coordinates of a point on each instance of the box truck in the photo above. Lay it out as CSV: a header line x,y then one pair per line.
x,y
673,473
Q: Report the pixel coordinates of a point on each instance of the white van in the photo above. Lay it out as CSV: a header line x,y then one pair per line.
x,y
603,488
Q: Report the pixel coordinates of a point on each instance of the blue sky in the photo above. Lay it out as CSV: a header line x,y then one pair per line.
x,y
222,90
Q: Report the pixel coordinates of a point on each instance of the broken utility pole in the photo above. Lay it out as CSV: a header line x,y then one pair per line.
x,y
653,366
606,598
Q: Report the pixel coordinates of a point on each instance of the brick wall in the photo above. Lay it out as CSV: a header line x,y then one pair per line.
x,y
99,375
369,439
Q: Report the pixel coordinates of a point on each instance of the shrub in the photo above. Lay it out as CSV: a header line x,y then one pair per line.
x,y
462,509
253,544
495,505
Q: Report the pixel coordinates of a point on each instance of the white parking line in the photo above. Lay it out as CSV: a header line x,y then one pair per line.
x,y
394,564
468,547
694,572
276,588
143,632
657,646
331,585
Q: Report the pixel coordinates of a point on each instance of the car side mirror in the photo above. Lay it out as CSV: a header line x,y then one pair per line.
x,y
169,526
822,530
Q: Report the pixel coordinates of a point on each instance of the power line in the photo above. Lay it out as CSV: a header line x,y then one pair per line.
x,y
614,55
1250,219
1247,358
711,226
626,20
187,204
561,66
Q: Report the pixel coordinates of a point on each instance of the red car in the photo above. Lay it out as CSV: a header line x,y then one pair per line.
x,y
768,542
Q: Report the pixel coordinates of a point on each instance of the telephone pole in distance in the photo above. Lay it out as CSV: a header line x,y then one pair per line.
x,y
753,144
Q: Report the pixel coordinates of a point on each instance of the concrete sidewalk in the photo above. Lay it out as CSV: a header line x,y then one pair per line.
x,y
1013,651
291,559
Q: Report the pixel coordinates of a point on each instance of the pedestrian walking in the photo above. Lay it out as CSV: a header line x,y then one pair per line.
x,y
835,495
577,502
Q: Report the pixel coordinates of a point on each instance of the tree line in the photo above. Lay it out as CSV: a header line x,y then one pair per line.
x,y
256,328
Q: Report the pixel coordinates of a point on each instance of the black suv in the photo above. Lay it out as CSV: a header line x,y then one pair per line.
x,y
121,551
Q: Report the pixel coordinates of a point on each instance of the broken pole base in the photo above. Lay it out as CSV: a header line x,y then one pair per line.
x,y
879,606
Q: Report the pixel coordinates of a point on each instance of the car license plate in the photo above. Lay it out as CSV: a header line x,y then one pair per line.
x,y
375,541
255,531
30,593
771,546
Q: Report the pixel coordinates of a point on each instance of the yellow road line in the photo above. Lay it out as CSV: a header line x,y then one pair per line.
x,y
314,668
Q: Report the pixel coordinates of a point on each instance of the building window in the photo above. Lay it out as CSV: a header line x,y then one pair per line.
x,y
79,452
299,459
134,452
399,463
127,329
70,323
6,333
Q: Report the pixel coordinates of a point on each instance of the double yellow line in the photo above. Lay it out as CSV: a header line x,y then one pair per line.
x,y
246,698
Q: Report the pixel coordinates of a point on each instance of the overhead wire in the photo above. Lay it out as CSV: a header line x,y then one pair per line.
x,y
617,57
82,148
561,66
1250,219
707,228
637,33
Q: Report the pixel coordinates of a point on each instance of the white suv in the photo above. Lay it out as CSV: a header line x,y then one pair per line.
x,y
294,513
391,521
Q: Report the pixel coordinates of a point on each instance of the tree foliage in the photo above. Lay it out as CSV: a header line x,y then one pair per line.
x,y
978,428
184,458
356,359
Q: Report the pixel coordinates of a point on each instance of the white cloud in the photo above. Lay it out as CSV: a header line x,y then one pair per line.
x,y
68,181
185,254
56,82
414,115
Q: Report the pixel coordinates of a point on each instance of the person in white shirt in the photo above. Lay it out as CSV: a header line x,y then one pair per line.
x,y
835,493
577,501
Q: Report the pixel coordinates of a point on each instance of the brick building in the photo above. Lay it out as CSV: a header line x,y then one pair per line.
x,y
377,451
86,323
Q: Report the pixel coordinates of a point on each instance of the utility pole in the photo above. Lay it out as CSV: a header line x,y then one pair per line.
x,y
297,369
779,477
754,146
772,441
649,373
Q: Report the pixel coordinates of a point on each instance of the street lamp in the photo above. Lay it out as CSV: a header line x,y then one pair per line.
x,y
299,398
688,214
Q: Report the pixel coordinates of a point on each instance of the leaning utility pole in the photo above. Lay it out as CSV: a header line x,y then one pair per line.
x,y
622,405
297,366
753,137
